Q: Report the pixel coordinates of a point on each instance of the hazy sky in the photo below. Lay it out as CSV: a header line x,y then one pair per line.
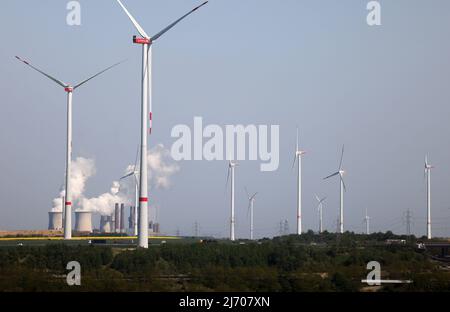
x,y
383,91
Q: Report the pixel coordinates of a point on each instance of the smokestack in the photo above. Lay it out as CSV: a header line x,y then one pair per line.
x,y
117,218
155,227
83,221
122,218
131,218
105,224
55,220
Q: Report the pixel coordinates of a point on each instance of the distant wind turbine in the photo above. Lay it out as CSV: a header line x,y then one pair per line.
x,y
340,173
146,99
298,158
231,166
251,203
69,89
135,174
367,221
428,168
320,202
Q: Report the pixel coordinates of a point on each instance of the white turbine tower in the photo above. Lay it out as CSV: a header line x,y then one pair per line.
x,y
251,203
340,173
320,202
69,89
428,168
231,166
367,221
298,159
146,99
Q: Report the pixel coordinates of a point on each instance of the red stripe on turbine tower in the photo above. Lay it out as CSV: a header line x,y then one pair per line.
x,y
68,203
143,199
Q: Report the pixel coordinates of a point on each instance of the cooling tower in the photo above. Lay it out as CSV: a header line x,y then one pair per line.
x,y
122,218
117,218
55,220
83,221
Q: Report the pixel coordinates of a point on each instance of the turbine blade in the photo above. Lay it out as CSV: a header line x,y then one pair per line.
x,y
254,195
297,144
343,183
317,198
135,23
127,175
228,178
342,157
137,157
98,74
162,32
61,83
295,160
332,175
149,80
246,191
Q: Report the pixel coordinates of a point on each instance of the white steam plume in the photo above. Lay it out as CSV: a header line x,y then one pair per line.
x,y
82,169
160,170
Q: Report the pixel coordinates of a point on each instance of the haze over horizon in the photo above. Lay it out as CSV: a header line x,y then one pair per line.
x,y
382,91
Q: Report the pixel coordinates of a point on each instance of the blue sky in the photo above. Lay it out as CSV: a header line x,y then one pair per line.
x,y
383,91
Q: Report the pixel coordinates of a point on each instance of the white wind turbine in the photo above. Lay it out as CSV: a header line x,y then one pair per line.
x,y
135,174
69,89
146,99
320,202
428,168
367,221
298,159
231,166
340,173
251,203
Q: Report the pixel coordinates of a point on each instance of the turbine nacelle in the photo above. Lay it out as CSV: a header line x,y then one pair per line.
x,y
140,40
68,89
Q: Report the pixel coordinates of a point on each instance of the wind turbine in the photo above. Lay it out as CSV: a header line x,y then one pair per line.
x,y
135,174
298,159
146,99
231,166
367,221
428,168
320,202
251,202
340,173
69,89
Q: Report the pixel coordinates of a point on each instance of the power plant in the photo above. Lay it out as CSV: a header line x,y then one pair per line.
x,y
83,221
115,223
55,220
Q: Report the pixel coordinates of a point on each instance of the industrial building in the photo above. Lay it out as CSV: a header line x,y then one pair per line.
x,y
83,221
55,220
